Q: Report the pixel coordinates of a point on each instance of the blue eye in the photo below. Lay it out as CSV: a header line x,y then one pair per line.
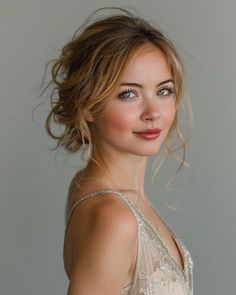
x,y
126,94
166,91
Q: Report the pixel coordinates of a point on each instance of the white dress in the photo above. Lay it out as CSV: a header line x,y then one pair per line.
x,y
156,272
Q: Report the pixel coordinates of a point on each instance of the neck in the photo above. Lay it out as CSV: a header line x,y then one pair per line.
x,y
122,173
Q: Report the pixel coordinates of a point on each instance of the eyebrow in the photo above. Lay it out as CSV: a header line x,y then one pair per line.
x,y
140,86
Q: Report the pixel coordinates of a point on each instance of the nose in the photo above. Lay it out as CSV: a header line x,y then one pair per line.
x,y
151,111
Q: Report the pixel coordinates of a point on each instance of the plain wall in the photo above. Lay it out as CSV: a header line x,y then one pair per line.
x,y
33,185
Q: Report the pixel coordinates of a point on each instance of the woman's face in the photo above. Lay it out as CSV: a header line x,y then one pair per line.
x,y
145,99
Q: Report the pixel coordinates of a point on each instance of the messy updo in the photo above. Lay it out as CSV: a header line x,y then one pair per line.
x,y
88,72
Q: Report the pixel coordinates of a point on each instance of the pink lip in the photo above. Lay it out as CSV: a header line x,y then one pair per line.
x,y
149,134
149,131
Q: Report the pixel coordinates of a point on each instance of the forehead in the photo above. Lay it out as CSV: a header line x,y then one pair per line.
x,y
148,62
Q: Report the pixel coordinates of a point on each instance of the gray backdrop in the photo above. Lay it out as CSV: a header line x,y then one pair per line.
x,y
34,184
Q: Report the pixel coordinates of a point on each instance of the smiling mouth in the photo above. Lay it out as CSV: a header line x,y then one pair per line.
x,y
149,131
148,135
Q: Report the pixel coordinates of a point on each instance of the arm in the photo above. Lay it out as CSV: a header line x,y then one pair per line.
x,y
105,254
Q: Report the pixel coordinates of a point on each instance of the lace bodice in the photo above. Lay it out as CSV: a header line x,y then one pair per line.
x,y
156,270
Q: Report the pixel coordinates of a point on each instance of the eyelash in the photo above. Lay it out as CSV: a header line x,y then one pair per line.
x,y
126,91
170,89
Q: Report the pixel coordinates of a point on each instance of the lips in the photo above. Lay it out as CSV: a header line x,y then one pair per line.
x,y
149,131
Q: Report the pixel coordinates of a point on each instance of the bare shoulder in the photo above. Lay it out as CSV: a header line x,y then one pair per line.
x,y
112,212
106,211
103,205
103,250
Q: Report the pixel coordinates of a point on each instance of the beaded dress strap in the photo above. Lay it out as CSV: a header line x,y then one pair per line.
x,y
98,193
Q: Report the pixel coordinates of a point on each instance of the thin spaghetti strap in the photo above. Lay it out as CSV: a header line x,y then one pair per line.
x,y
97,193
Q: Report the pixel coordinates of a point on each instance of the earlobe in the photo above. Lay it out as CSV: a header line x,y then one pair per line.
x,y
89,117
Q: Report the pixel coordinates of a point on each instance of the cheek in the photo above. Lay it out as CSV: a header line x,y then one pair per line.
x,y
119,119
168,113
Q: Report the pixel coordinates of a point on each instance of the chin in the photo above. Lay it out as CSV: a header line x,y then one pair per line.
x,y
150,152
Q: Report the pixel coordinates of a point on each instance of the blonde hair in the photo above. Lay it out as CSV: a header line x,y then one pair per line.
x,y
88,71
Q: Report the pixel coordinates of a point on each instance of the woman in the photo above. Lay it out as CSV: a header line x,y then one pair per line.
x,y
119,85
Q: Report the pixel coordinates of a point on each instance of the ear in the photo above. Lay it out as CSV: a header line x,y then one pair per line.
x,y
89,117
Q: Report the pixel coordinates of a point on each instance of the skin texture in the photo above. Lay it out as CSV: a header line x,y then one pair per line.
x,y
103,250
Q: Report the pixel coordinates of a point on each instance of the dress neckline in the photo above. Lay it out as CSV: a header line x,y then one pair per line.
x,y
157,233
